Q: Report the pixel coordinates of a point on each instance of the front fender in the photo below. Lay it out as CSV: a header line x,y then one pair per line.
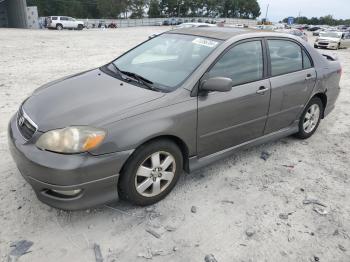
x,y
179,120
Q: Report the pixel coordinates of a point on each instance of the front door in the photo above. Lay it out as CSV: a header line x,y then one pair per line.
x,y
293,78
345,42
231,118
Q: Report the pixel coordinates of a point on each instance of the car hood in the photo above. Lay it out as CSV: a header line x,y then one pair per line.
x,y
328,39
89,98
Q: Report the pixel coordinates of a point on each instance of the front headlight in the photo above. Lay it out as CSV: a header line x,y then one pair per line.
x,y
74,139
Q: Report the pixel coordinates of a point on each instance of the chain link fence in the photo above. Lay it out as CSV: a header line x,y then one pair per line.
x,y
159,21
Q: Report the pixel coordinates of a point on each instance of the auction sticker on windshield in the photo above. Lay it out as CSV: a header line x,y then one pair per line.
x,y
205,42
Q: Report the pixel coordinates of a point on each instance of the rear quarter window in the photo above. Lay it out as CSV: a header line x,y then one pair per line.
x,y
54,18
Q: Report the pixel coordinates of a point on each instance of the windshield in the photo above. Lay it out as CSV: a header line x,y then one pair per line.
x,y
167,60
331,34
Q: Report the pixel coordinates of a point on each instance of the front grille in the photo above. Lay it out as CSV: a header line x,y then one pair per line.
x,y
25,125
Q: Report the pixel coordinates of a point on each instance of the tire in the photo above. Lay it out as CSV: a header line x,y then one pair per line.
x,y
151,173
312,114
59,27
80,27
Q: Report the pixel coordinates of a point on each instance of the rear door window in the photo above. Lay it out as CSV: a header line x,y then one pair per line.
x,y
63,18
243,63
286,57
54,18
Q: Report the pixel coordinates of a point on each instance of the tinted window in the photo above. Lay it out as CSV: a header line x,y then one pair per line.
x,y
54,18
64,18
243,63
307,61
285,56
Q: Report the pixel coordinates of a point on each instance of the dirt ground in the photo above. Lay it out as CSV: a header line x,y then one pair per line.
x,y
247,209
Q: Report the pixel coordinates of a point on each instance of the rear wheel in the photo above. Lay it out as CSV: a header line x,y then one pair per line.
x,y
151,173
59,27
310,118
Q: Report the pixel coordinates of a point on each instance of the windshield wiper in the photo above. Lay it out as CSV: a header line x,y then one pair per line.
x,y
144,81
140,79
117,70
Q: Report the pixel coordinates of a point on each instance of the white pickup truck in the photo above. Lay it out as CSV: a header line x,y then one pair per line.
x,y
64,22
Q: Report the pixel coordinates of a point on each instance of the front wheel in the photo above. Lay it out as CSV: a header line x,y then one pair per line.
x,y
59,27
80,27
151,173
310,118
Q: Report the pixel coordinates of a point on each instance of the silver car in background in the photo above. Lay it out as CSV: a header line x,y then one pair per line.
x,y
295,32
333,40
174,103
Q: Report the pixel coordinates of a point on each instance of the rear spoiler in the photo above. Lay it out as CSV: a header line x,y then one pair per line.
x,y
330,57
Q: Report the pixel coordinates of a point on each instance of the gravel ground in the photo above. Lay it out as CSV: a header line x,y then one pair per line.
x,y
245,208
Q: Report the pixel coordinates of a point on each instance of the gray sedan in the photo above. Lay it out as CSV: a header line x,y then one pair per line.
x,y
174,103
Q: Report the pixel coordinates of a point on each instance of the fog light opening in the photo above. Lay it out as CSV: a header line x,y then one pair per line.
x,y
64,193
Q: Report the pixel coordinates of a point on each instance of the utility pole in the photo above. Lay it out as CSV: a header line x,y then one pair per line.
x,y
267,11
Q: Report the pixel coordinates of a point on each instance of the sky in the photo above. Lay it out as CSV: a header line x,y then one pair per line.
x,y
280,9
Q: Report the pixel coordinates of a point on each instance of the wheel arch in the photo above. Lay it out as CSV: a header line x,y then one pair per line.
x,y
323,98
176,140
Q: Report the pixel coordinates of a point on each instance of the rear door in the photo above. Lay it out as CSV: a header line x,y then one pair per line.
x,y
293,78
231,118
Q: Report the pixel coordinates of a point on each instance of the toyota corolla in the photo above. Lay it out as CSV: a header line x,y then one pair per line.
x,y
174,103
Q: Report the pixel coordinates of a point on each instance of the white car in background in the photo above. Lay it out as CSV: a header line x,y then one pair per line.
x,y
64,22
333,40
188,25
295,32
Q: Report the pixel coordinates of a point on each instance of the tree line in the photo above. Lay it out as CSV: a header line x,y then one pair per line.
x,y
150,8
323,20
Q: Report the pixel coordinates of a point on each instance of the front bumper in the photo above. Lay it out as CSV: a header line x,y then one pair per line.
x,y
95,176
326,45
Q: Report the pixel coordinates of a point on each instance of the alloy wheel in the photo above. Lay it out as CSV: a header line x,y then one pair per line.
x,y
155,174
311,118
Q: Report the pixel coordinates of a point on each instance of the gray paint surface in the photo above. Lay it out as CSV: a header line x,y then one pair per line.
x,y
208,126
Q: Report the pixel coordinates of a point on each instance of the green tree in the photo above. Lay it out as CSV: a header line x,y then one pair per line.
x,y
154,9
137,7
110,8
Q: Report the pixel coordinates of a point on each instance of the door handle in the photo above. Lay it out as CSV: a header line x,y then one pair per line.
x,y
308,76
262,90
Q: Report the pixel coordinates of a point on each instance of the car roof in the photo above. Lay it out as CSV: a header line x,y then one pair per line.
x,y
226,33
222,33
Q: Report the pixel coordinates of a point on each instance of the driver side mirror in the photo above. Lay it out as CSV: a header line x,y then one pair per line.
x,y
218,84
